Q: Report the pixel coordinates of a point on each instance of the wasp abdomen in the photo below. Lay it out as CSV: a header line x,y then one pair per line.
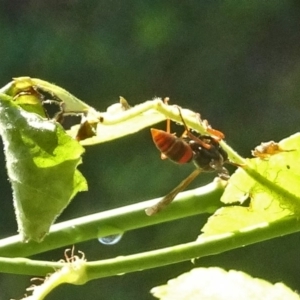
x,y
172,147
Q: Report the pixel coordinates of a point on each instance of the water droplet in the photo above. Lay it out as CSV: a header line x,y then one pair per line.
x,y
110,239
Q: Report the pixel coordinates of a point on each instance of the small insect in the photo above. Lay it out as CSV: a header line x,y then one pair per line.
x,y
266,150
203,150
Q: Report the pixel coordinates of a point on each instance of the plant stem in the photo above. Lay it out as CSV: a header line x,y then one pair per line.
x,y
25,266
202,247
125,264
117,221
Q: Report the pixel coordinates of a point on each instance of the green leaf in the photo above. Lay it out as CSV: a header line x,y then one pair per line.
x,y
41,161
71,104
279,198
239,219
217,284
28,92
24,95
281,169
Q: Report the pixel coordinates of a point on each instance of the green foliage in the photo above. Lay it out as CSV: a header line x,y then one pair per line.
x,y
41,161
235,62
278,198
26,93
217,284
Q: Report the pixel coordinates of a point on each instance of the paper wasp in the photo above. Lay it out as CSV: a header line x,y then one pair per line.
x,y
203,150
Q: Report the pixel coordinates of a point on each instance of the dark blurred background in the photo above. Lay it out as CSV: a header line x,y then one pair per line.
x,y
235,62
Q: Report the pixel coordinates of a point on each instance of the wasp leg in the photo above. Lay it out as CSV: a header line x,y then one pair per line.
x,y
150,211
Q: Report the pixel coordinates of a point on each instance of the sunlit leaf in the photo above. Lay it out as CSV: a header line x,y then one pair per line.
x,y
218,284
71,103
28,93
25,96
91,131
263,208
282,170
41,161
239,219
132,125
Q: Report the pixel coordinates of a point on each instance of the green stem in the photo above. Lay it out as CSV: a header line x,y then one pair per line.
x,y
233,155
25,266
202,247
125,264
116,221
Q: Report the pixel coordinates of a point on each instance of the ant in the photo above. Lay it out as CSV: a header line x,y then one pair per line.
x,y
203,150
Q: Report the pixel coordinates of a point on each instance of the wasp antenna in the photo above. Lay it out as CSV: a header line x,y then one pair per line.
x,y
181,117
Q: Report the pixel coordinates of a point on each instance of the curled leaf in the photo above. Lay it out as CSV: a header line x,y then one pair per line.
x,y
132,120
41,161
